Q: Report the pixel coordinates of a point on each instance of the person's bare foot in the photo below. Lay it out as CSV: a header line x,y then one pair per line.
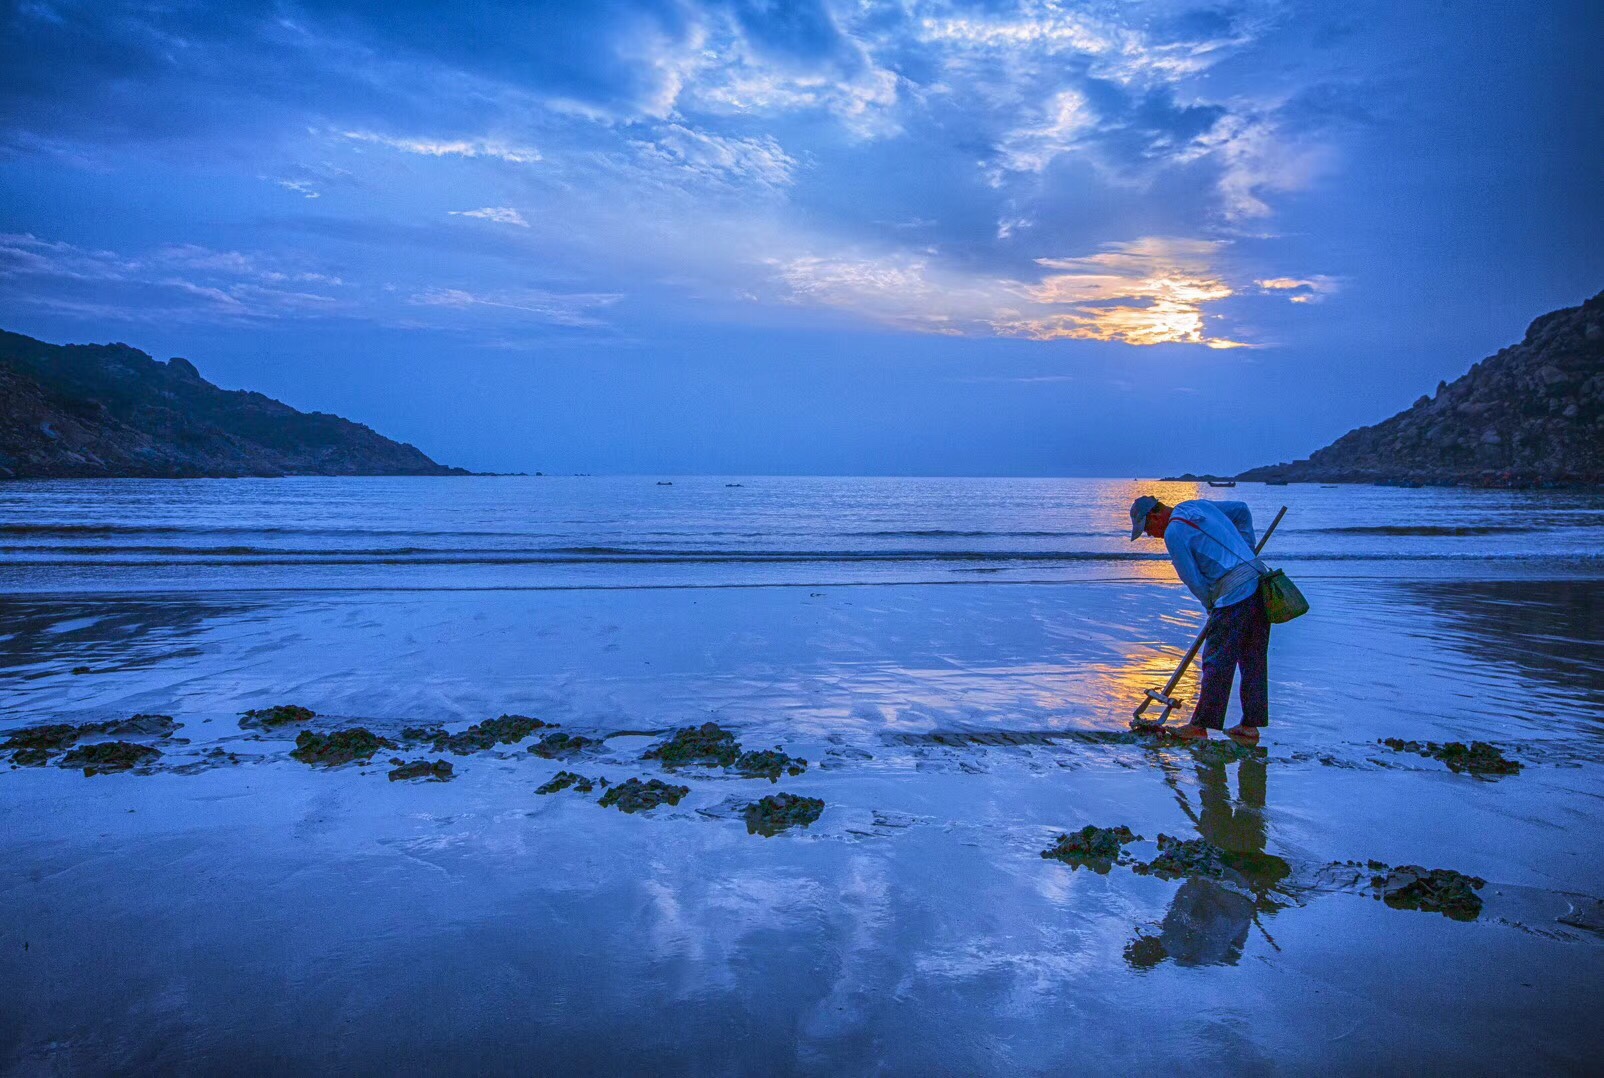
x,y
1246,735
1188,732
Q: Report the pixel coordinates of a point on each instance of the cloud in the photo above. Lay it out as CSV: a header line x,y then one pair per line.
x,y
173,283
504,215
898,159
718,159
1153,290
1142,48
904,291
23,255
434,147
1312,289
863,103
310,181
193,284
1051,33
1170,280
730,80
1027,379
1140,109
1064,121
1158,322
552,308
797,56
1259,156
1119,88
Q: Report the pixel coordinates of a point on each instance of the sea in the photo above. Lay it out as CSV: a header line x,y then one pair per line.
x,y
710,531
949,663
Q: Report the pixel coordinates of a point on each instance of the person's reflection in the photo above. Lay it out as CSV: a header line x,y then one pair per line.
x,y
1209,919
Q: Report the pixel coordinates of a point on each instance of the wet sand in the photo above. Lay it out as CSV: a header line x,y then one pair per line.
x,y
228,907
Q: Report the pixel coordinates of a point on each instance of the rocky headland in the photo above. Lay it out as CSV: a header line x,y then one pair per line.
x,y
111,411
1531,415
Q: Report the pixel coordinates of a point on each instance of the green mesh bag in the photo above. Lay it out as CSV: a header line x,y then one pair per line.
x,y
1282,599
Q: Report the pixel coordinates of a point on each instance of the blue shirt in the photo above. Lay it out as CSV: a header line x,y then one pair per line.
x,y
1207,541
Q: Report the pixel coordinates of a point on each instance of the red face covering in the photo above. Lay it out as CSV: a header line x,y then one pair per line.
x,y
1157,521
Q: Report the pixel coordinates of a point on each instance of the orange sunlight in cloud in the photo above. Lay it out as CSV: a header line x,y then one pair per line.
x,y
1173,275
1147,291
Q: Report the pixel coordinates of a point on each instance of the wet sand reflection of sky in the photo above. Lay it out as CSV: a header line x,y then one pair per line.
x,y
915,918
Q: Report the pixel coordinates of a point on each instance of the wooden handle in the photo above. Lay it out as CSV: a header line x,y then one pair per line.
x,y
1265,538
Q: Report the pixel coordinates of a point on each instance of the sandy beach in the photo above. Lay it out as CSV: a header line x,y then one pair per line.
x,y
959,697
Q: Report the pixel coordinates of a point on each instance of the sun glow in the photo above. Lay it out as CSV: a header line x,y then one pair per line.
x,y
1148,291
1173,276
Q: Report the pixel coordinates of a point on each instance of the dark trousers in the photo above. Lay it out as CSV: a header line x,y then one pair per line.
x,y
1238,636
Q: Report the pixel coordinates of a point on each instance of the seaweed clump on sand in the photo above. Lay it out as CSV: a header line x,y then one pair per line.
x,y
34,746
638,796
1184,858
107,756
505,730
340,747
768,764
1478,758
433,771
562,780
552,746
52,737
1096,848
1226,750
266,718
773,813
1198,858
708,744
1431,890
143,724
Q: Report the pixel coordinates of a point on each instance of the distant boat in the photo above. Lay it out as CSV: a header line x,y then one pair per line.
x,y
1222,483
664,483
732,484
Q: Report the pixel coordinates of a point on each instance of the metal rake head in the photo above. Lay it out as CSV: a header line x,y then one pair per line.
x,y
1154,696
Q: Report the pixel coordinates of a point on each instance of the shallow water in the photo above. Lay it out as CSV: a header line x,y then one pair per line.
x,y
616,531
244,911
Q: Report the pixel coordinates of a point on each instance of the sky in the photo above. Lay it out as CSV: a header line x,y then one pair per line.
x,y
910,237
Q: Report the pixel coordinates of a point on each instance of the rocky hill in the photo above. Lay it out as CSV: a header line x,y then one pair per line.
x,y
105,410
1532,415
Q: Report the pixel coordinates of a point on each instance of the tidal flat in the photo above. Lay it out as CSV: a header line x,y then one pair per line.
x,y
1324,902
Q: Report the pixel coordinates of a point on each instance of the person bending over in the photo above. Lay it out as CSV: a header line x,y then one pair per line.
x,y
1211,544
